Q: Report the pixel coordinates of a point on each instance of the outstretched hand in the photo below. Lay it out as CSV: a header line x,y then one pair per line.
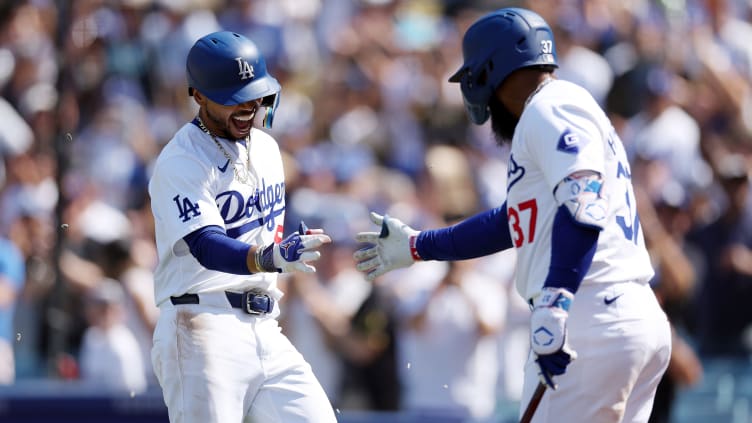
x,y
391,248
295,252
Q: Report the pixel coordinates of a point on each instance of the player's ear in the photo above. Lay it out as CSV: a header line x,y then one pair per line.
x,y
198,97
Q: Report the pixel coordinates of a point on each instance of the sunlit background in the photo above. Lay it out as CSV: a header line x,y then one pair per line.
x,y
91,90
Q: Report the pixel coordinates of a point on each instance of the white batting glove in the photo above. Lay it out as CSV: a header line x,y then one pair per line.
x,y
548,333
392,248
294,253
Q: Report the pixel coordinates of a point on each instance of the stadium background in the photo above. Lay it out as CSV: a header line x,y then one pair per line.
x,y
90,90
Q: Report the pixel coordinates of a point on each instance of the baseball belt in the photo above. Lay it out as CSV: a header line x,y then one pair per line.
x,y
251,302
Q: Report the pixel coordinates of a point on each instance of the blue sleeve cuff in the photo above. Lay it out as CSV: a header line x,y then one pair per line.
x,y
217,251
572,249
480,235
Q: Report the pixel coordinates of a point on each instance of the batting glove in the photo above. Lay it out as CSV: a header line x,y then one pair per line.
x,y
392,248
548,333
294,252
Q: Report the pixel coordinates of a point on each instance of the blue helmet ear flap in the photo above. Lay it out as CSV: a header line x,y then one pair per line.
x,y
477,114
476,90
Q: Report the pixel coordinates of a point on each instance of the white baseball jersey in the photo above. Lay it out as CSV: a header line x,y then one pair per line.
x,y
194,186
563,130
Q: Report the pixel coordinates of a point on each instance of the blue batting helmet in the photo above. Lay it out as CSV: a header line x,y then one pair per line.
x,y
228,69
495,46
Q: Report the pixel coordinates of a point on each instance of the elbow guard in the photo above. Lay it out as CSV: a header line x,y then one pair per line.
x,y
580,193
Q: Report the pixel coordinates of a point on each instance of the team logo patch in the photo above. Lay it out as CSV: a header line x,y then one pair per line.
x,y
569,142
245,70
291,250
187,209
515,172
543,337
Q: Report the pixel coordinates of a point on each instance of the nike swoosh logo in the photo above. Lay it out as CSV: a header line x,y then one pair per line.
x,y
223,168
608,301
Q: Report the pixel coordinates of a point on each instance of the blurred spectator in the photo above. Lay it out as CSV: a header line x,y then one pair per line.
x,y
30,228
90,90
513,339
674,285
721,65
721,316
140,312
106,249
15,134
451,188
370,353
12,278
729,27
577,62
318,309
449,344
666,135
110,357
30,190
353,344
348,327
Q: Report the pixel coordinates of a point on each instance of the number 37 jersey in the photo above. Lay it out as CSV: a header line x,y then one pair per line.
x,y
563,130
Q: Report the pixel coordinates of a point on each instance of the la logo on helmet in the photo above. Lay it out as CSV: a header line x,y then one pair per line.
x,y
245,70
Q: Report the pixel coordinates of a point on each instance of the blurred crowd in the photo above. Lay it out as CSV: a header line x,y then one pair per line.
x,y
90,91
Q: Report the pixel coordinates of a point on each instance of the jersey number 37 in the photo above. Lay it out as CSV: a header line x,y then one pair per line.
x,y
513,213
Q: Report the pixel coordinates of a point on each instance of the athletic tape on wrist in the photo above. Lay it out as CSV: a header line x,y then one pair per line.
x,y
555,297
265,259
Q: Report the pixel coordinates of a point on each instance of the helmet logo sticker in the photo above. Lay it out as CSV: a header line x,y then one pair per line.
x,y
245,70
547,46
547,49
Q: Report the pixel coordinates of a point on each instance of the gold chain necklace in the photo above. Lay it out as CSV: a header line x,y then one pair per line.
x,y
537,89
243,174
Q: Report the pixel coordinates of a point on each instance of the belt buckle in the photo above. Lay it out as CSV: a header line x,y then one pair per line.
x,y
248,297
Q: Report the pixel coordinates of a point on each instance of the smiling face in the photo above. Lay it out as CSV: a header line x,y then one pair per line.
x,y
230,122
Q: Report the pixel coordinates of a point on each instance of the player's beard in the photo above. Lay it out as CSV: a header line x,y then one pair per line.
x,y
220,124
503,122
223,128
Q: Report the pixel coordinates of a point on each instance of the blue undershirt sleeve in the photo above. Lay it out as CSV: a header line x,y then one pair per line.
x,y
216,251
477,236
572,248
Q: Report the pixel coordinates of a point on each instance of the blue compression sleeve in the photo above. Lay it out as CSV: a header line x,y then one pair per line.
x,y
480,235
217,251
572,249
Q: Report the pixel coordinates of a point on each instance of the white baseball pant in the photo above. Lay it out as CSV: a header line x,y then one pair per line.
x,y
224,365
623,343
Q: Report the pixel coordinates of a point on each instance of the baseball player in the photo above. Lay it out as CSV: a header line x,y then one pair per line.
x,y
218,198
570,213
